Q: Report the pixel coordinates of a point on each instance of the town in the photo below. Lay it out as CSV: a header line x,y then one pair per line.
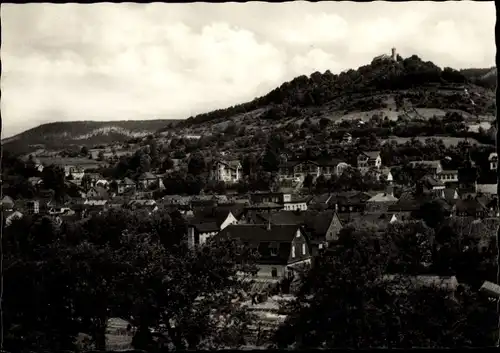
x,y
304,175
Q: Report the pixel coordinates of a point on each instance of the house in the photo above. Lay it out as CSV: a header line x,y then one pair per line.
x,y
434,167
321,227
448,176
97,193
370,159
103,183
147,179
10,216
7,203
298,170
349,201
283,249
493,159
33,207
386,174
319,202
205,223
226,171
490,189
381,201
125,185
450,195
381,220
470,207
293,202
430,184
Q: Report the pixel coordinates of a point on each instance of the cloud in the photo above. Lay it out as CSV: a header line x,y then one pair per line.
x,y
143,61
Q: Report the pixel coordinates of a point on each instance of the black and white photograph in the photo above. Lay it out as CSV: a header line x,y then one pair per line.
x,y
248,176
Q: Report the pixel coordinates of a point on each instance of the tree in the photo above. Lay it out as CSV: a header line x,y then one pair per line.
x,y
53,177
321,183
100,156
433,213
84,151
196,164
345,302
270,160
167,163
308,181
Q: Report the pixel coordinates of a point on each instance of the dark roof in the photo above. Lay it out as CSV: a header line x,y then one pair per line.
x,y
206,227
449,194
209,214
259,237
349,198
259,232
264,205
469,206
126,181
314,223
371,154
101,192
407,204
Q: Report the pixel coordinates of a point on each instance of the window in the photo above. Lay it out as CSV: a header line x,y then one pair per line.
x,y
273,249
293,251
274,272
303,249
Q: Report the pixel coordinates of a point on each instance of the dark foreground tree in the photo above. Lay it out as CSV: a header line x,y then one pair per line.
x,y
344,303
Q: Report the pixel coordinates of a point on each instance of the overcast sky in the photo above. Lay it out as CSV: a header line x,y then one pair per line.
x,y
65,62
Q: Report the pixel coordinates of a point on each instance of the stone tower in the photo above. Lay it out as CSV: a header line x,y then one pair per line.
x,y
393,55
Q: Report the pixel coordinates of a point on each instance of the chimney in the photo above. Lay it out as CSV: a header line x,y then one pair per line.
x,y
393,54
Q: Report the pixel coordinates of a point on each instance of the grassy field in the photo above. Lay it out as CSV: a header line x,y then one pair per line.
x,y
448,141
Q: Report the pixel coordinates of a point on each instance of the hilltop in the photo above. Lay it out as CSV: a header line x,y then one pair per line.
x,y
58,135
402,83
410,89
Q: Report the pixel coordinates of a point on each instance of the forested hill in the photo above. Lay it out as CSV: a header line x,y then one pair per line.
x,y
358,90
60,135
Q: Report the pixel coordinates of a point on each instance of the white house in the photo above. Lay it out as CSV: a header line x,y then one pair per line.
x,y
369,159
228,172
292,203
200,230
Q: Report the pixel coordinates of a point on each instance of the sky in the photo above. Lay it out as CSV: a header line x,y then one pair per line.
x,y
104,61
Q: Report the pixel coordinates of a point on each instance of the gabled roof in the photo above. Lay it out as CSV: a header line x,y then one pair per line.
x,y
428,164
126,181
147,176
371,154
206,227
260,237
470,206
315,223
383,197
100,191
493,156
255,233
209,215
